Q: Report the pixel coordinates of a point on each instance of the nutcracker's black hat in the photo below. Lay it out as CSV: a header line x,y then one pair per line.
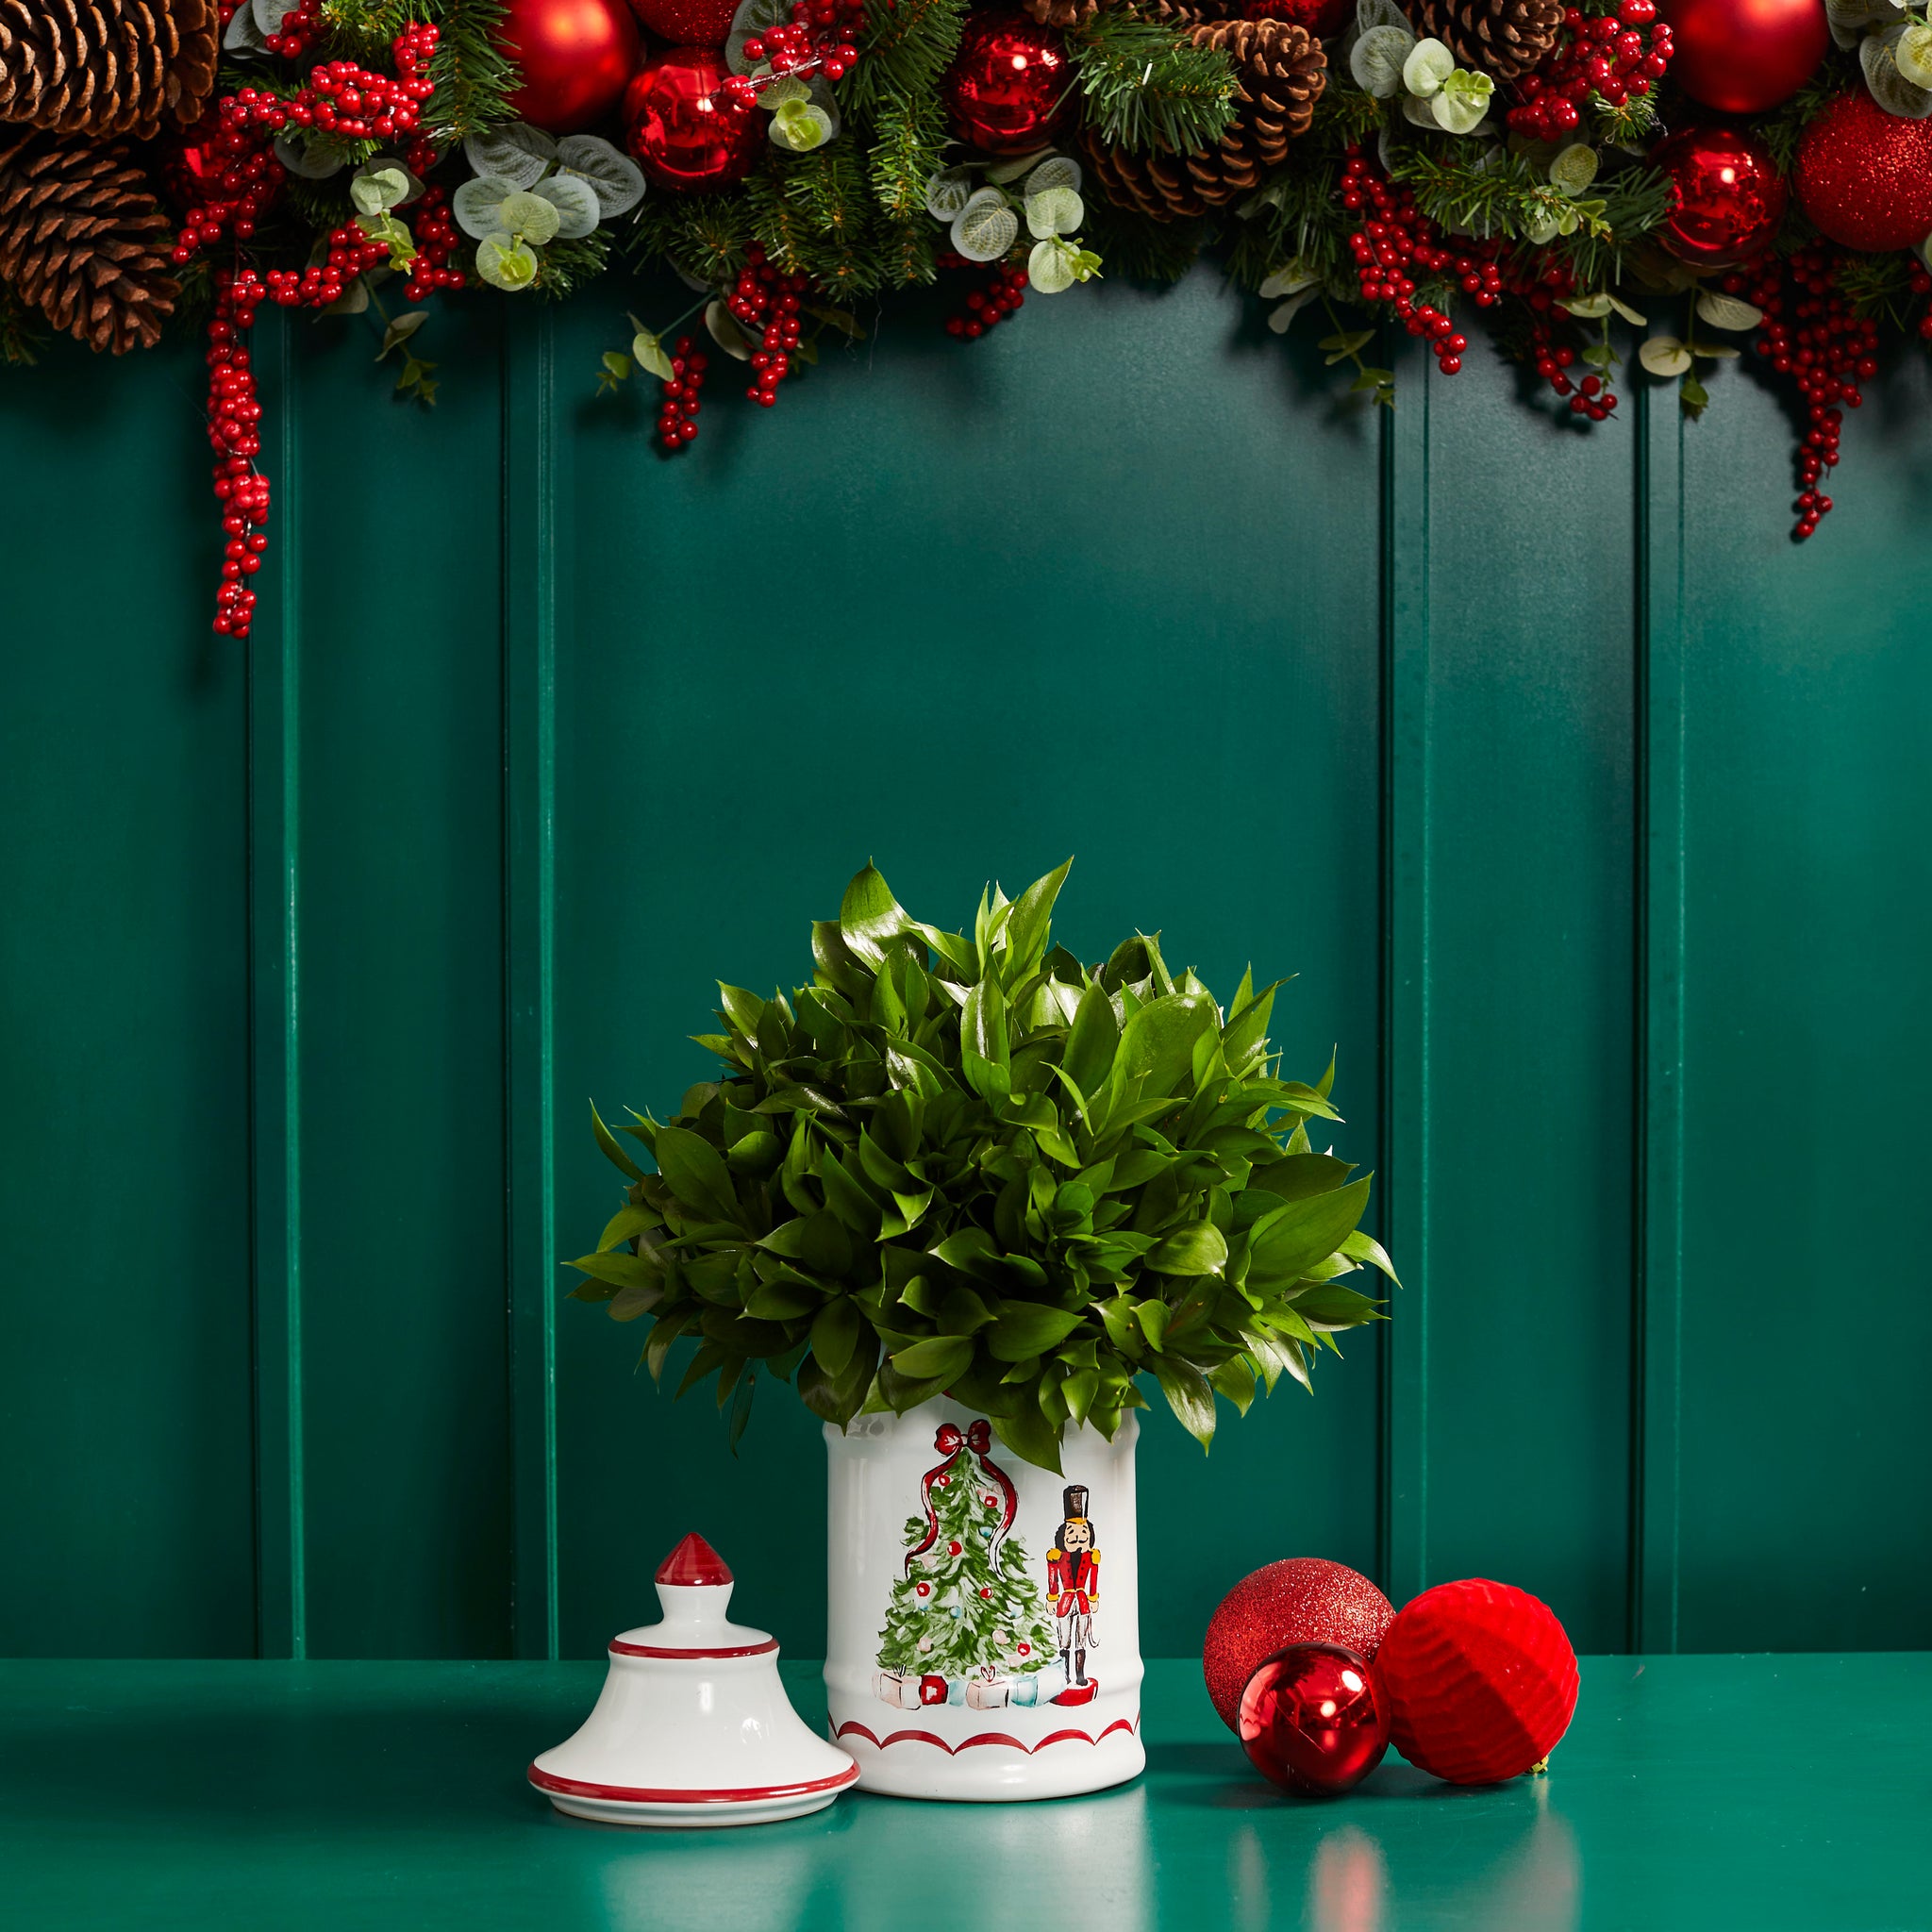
x,y
1074,1503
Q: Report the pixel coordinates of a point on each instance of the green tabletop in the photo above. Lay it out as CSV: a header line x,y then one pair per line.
x,y
1711,1792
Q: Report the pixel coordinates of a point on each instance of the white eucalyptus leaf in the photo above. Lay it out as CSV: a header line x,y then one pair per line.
x,y
514,152
1727,312
615,179
1575,169
1376,61
1664,356
1371,14
575,202
377,188
1048,268
1057,171
476,205
799,127
313,160
1016,165
1590,308
781,89
530,217
985,229
1059,211
505,263
1290,280
947,193
1628,314
649,355
1462,101
1420,112
726,331
1285,313
1428,64
1890,87
1541,226
1914,54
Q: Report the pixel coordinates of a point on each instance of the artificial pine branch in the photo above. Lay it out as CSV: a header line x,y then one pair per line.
x,y
20,341
907,153
1148,87
474,77
568,265
905,47
1634,200
1139,250
703,235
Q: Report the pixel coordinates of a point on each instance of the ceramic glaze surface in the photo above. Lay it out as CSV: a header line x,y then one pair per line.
x,y
1040,1697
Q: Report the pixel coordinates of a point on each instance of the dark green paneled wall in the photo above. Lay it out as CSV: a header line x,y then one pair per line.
x,y
1589,813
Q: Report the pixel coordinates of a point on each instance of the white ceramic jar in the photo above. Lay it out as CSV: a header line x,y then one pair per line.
x,y
983,1637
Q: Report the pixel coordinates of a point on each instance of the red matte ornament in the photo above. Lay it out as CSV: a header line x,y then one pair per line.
x,y
1298,1600
1009,87
577,56
1730,195
1743,56
1481,1681
687,23
1314,1719
683,129
1864,176
693,1565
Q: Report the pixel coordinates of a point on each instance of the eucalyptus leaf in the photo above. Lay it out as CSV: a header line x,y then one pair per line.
x,y
1427,66
799,128
1013,166
725,332
514,151
1291,280
243,34
1285,313
650,356
529,217
1055,212
1463,101
1727,312
375,188
986,227
752,17
1575,169
1057,171
575,202
947,193
1375,61
1912,52
1891,88
309,158
476,205
612,176
1664,356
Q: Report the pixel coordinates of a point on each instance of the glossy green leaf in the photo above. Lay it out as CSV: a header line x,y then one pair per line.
x,y
696,1172
1189,1395
1201,1249
1028,1328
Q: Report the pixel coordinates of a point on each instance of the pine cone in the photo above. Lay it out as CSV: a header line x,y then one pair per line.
x,y
107,67
82,239
1062,13
1504,38
1157,186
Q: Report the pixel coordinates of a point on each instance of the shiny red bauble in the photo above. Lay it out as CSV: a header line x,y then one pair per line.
x,y
1481,1681
1864,176
687,23
1323,18
1298,1600
1315,1719
575,56
681,127
1743,56
1008,89
1730,195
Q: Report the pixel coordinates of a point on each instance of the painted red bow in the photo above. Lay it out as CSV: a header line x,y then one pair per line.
x,y
954,1446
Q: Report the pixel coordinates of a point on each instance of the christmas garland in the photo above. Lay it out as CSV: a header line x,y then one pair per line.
x,y
1762,168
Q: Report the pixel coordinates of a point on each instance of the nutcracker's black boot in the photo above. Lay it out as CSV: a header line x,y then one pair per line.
x,y
1079,1667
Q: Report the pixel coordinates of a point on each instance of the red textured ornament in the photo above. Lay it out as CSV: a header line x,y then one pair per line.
x,y
1743,56
1324,19
1314,1719
576,57
1298,1600
1008,89
1481,1681
687,23
1730,195
1864,176
680,127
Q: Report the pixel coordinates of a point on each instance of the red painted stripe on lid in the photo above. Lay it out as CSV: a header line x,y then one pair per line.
x,y
619,1648
635,1794
694,1562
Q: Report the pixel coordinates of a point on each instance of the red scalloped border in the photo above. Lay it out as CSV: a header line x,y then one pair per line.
x,y
852,1724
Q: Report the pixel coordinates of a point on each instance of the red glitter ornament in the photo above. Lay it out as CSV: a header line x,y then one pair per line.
x,y
1009,87
1743,56
687,23
1481,1681
576,57
1864,176
1324,19
1314,1719
681,127
1730,195
1298,1600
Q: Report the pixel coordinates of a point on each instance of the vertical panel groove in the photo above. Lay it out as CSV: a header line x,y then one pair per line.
x,y
275,1039
1406,705
529,689
1655,1526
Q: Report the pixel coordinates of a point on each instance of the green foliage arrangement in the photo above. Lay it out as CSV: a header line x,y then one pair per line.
x,y
975,1165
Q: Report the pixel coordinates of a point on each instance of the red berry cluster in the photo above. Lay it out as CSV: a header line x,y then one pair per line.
x,y
677,414
234,418
821,35
350,252
1810,334
1541,286
1616,56
301,28
766,300
355,103
1398,237
437,239
239,175
987,306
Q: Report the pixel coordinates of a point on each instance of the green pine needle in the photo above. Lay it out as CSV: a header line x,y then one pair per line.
x,y
1148,88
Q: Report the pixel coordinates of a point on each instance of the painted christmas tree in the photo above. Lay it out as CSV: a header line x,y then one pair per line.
x,y
967,1604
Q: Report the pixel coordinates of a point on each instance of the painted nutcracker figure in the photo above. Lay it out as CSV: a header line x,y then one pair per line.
x,y
1072,1581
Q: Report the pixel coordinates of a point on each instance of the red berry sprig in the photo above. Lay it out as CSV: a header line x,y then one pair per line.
x,y
766,299
301,28
820,37
1810,334
350,252
1615,58
1397,238
998,301
437,239
234,419
677,413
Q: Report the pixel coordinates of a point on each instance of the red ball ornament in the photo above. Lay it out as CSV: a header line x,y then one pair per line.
x,y
1324,19
684,131
1009,87
576,57
953,1547
932,1689
1481,1681
1743,56
1730,195
687,23
1315,1718
1864,176
1298,1600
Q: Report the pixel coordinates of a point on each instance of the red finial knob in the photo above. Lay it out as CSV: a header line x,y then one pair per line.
x,y
694,1563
